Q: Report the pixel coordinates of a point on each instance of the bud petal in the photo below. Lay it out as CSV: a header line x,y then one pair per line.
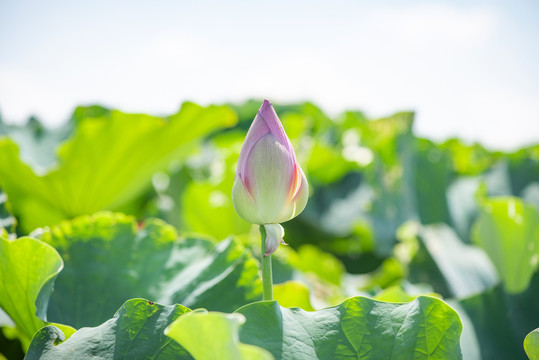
x,y
270,187
244,204
274,237
270,173
298,199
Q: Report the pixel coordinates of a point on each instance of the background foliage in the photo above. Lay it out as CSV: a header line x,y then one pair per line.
x,y
129,206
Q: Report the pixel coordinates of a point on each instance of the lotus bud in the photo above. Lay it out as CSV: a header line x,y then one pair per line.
x,y
269,187
274,237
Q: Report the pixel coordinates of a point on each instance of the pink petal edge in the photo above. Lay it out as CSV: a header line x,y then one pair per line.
x,y
266,120
268,114
258,129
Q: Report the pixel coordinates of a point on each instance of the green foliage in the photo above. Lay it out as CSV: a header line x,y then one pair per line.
x,y
12,343
326,164
398,294
501,320
425,328
206,204
469,159
531,344
135,332
524,169
292,294
389,176
36,142
110,259
390,215
462,269
28,269
433,176
389,273
508,231
311,259
213,335
109,160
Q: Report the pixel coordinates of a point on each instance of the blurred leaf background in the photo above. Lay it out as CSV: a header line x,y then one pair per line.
x,y
391,215
128,196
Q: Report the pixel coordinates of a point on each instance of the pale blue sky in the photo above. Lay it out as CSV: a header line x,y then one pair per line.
x,y
468,68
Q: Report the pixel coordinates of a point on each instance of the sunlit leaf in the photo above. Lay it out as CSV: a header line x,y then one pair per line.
x,y
508,231
398,294
469,159
108,161
310,258
531,344
212,335
292,294
28,268
389,273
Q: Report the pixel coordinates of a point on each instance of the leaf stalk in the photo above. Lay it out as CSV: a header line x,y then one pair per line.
x,y
265,262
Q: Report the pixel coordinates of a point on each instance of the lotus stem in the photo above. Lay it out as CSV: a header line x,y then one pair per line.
x,y
265,262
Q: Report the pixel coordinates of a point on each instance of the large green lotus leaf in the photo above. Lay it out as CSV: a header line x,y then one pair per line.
x,y
213,335
28,268
135,332
109,258
108,161
358,328
508,231
501,320
531,344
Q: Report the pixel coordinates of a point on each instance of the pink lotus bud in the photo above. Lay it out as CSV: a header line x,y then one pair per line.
x,y
270,187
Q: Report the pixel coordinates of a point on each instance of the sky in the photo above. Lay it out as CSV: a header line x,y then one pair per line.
x,y
467,68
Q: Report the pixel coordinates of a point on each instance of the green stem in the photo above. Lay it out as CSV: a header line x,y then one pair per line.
x,y
265,262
